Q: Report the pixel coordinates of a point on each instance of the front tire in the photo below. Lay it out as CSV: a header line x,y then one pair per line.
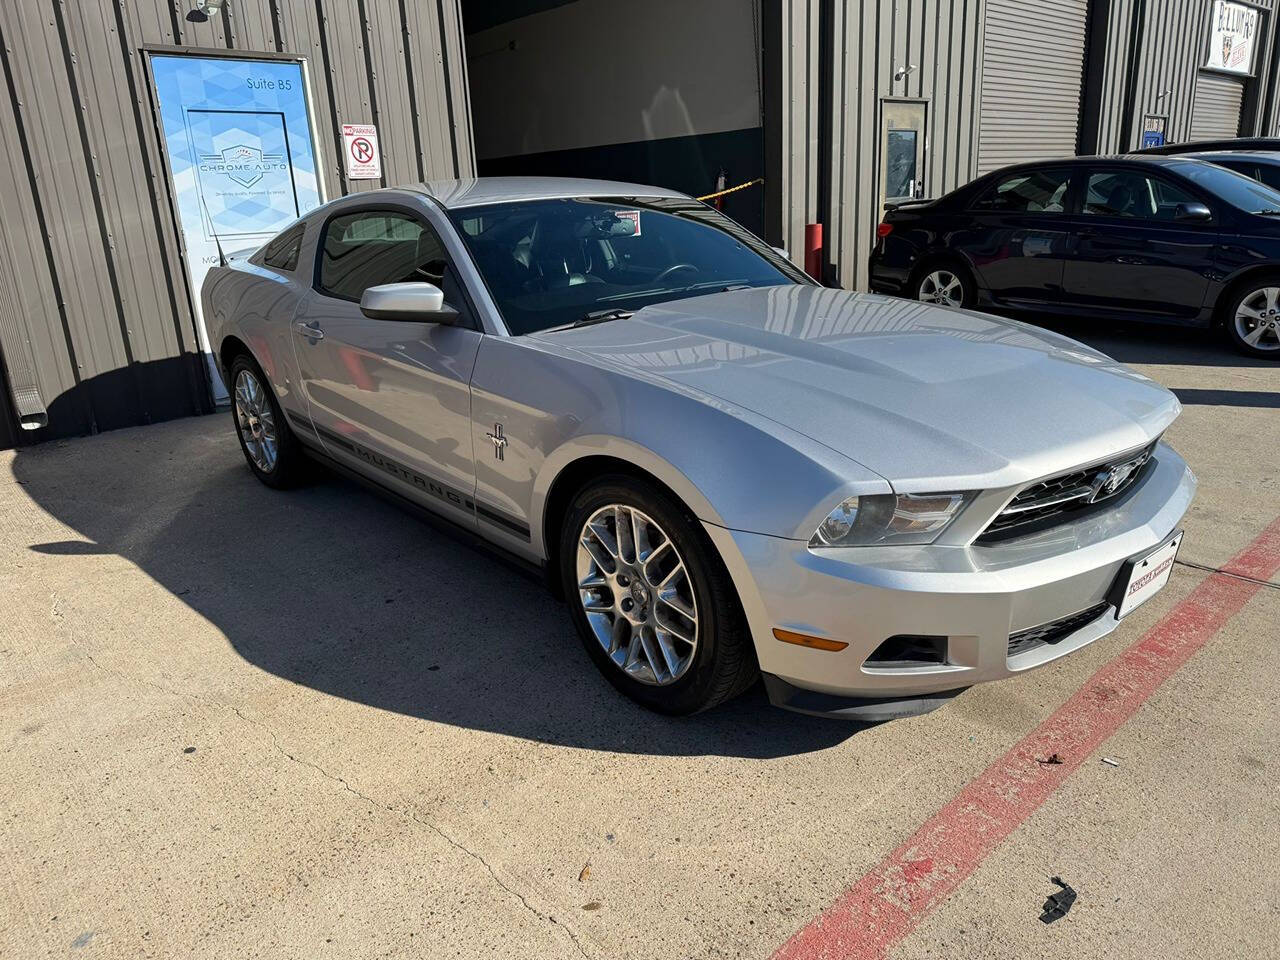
x,y
1252,318
270,448
651,599
944,283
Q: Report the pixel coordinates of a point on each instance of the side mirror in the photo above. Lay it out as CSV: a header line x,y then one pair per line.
x,y
411,302
1192,211
782,252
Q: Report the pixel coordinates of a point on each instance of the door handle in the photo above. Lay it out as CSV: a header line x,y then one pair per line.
x,y
309,329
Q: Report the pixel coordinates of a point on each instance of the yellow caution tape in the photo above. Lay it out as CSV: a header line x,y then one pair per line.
x,y
741,186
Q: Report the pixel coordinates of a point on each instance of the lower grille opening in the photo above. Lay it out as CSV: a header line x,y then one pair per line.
x,y
905,650
1050,633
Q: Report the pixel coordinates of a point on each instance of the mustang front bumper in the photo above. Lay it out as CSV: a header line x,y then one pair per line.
x,y
968,599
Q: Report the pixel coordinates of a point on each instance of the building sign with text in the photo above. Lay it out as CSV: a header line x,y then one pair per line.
x,y
242,161
1233,32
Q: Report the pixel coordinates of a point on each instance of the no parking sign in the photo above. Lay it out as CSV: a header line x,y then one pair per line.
x,y
360,148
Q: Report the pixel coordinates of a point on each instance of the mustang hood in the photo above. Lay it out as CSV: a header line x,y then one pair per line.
x,y
930,398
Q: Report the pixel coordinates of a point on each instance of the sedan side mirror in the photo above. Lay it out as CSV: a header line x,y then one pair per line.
x,y
1192,211
412,302
782,252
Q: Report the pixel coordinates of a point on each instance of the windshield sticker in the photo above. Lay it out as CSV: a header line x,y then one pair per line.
x,y
633,216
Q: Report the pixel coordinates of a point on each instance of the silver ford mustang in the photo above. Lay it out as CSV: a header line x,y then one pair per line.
x,y
724,469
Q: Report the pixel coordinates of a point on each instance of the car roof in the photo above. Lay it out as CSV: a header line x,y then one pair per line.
x,y
1270,156
1152,160
478,191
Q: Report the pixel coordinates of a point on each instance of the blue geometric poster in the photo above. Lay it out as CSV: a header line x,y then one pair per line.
x,y
241,157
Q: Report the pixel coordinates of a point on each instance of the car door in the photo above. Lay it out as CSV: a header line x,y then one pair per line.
x,y
1017,235
389,397
1131,249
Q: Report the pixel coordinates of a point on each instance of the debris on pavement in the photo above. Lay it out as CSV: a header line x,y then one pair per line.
x,y
1111,761
1052,759
188,749
593,905
586,872
1057,905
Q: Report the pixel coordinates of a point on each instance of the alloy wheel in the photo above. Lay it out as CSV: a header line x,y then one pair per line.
x,y
943,287
1257,319
256,421
637,594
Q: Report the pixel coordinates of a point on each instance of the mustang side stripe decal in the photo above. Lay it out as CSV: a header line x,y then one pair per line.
x,y
437,489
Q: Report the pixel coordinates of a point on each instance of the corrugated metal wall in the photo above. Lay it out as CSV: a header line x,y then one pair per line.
x,y
86,224
1115,53
1032,73
1171,51
790,37
872,39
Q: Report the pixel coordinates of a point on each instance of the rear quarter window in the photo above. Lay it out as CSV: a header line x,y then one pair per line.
x,y
282,252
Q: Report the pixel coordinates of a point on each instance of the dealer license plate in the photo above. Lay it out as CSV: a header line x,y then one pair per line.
x,y
1146,576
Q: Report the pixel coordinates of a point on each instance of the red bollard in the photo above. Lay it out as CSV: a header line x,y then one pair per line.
x,y
813,250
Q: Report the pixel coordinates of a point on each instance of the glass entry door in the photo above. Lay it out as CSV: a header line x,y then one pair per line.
x,y
241,156
902,150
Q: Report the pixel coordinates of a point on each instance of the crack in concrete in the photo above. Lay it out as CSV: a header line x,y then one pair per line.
x,y
411,815
355,792
1227,573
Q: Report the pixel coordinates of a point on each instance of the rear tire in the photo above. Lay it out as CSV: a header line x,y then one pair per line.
x,y
944,282
1252,317
270,448
621,544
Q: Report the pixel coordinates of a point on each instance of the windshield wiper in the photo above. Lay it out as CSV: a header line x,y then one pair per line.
x,y
596,316
1268,213
600,316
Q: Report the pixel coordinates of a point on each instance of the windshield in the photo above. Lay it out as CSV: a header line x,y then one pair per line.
x,y
552,263
1235,188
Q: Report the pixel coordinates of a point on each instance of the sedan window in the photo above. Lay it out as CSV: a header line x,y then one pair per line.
x,y
282,252
1236,189
1127,193
551,263
1028,191
368,248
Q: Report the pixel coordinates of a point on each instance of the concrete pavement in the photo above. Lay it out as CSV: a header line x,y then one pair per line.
x,y
242,723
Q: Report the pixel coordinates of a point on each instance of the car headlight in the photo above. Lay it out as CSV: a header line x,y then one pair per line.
x,y
889,519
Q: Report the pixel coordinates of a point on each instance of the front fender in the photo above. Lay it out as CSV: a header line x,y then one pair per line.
x,y
731,467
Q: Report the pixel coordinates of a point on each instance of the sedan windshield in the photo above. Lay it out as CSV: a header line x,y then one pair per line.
x,y
556,263
1236,189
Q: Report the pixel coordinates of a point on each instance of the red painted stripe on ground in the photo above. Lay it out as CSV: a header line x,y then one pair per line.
x,y
882,908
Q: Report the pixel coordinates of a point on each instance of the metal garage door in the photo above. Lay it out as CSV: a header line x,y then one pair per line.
x,y
1031,75
1216,113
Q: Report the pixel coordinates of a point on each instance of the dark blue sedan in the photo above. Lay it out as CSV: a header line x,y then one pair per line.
x,y
1148,238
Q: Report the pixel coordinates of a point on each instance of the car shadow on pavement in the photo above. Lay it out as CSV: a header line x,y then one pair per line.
x,y
330,587
1154,343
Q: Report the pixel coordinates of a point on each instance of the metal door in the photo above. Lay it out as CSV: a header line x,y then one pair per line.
x,y
903,148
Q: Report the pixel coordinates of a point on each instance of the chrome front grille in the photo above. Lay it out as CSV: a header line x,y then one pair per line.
x,y
1054,632
1062,498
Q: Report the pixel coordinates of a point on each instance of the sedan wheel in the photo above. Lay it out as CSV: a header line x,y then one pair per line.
x,y
636,592
270,447
652,601
1257,320
256,421
943,287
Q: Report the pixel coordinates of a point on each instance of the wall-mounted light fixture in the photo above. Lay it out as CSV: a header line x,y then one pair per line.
x,y
901,73
204,10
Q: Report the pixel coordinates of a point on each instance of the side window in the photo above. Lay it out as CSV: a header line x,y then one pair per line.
x,y
282,252
365,249
1270,175
1029,191
1249,170
1127,193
